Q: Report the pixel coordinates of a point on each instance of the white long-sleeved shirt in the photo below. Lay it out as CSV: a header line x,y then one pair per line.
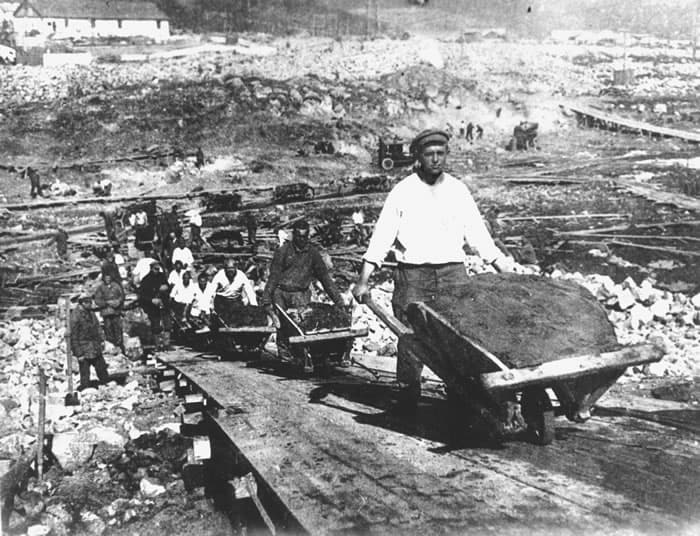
x,y
430,224
175,278
143,266
240,287
203,300
184,255
184,294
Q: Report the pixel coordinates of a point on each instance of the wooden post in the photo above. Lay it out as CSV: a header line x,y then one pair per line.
x,y
69,354
41,423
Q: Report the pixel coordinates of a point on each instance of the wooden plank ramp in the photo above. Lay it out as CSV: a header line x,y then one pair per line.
x,y
344,464
631,124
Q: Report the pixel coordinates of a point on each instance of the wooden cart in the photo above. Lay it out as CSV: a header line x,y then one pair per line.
x,y
318,350
481,384
242,342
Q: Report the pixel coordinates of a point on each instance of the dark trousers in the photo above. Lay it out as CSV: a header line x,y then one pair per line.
x,y
100,367
416,283
113,330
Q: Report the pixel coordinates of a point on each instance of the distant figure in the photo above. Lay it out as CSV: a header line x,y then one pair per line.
x,y
199,162
62,243
462,129
195,220
183,254
109,298
154,298
479,132
470,131
86,342
108,215
34,180
498,111
109,267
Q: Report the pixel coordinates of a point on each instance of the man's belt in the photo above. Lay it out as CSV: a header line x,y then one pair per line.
x,y
407,265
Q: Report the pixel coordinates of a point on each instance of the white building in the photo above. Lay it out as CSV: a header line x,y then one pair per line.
x,y
91,18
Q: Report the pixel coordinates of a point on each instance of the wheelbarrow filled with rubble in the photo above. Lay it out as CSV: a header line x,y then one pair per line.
x,y
515,351
317,337
239,331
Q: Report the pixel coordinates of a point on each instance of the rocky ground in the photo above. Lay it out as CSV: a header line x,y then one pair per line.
x,y
257,116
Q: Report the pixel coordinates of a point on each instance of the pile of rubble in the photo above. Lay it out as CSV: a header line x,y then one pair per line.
x,y
112,459
641,312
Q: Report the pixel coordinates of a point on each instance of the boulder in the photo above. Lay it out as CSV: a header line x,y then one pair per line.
x,y
639,316
150,489
624,298
72,450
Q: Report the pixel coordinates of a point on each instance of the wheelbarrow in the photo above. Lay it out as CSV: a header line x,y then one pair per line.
x,y
500,389
240,342
318,349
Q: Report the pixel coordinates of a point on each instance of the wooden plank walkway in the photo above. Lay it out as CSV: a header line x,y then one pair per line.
x,y
345,464
631,124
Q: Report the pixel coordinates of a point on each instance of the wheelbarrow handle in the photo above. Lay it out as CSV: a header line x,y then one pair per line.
x,y
394,324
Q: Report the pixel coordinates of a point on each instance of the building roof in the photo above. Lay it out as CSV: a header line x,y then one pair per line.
x,y
90,9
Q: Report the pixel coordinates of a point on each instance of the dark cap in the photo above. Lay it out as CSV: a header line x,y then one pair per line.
x,y
429,137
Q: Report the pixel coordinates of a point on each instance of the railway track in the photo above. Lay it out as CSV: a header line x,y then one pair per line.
x,y
340,461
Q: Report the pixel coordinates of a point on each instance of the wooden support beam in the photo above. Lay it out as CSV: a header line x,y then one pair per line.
x,y
570,367
248,329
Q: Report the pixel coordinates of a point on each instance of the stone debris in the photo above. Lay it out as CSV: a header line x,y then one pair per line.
x,y
652,312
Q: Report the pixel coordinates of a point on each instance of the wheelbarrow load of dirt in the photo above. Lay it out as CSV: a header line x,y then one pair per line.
x,y
240,331
501,341
319,335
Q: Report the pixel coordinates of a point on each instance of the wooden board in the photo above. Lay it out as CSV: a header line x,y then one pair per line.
x,y
631,124
572,367
248,329
344,464
328,336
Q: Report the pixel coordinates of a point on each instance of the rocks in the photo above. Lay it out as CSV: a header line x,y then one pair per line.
x,y
72,450
639,312
150,489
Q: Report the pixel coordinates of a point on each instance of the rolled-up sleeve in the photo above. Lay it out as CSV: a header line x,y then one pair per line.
x,y
476,234
385,230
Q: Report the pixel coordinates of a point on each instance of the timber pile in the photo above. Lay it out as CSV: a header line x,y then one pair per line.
x,y
524,320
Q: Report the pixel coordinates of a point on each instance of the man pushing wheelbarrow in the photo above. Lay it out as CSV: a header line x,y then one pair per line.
x,y
427,219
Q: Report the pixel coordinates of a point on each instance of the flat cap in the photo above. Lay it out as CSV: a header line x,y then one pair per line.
x,y
429,137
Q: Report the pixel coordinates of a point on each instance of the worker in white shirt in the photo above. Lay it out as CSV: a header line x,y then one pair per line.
x,y
231,283
175,277
183,254
427,218
195,219
142,268
202,303
182,295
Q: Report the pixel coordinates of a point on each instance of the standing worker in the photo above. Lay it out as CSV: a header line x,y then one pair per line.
x,y
86,342
294,266
154,294
109,298
427,217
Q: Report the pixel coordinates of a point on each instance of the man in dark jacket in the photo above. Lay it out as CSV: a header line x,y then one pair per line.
x,y
109,298
294,266
86,342
154,300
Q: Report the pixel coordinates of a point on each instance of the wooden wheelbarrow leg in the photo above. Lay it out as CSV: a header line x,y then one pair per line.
x,y
578,381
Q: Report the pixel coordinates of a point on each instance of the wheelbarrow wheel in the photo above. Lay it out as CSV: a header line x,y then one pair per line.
x,y
538,415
